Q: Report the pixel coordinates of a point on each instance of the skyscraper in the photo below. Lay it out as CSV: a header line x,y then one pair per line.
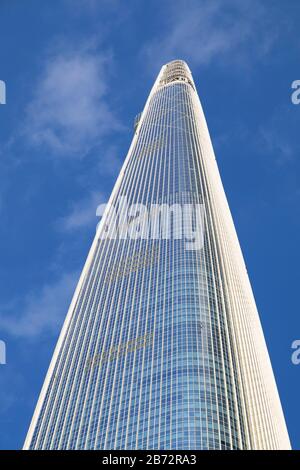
x,y
162,346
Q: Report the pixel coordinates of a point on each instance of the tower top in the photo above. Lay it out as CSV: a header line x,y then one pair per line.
x,y
174,71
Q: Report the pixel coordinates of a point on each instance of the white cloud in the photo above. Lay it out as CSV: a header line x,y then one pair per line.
x,y
110,161
275,144
43,311
82,213
206,30
278,140
69,113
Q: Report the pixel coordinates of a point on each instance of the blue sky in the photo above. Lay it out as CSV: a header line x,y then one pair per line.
x,y
77,72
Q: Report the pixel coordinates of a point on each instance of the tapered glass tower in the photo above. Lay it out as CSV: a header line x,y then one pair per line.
x,y
162,346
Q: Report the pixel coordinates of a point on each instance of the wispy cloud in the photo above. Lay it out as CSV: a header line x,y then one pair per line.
x,y
42,311
12,385
279,141
277,145
82,213
110,161
69,112
213,30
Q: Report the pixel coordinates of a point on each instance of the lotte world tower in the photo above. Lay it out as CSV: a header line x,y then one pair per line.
x,y
162,346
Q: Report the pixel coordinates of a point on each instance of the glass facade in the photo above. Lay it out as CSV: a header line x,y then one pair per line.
x,y
162,347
